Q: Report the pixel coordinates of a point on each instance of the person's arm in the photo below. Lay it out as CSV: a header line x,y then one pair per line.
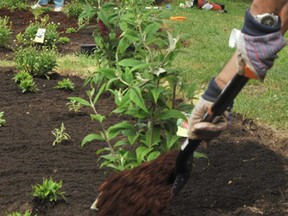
x,y
257,7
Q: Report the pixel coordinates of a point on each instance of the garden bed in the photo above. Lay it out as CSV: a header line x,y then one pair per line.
x,y
247,172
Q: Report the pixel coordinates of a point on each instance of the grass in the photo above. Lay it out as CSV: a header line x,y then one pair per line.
x,y
208,52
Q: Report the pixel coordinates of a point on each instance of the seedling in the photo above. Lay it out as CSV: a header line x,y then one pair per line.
x,y
17,213
74,106
65,84
60,135
48,191
2,120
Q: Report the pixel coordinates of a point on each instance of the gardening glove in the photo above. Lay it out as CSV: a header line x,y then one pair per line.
x,y
207,130
257,46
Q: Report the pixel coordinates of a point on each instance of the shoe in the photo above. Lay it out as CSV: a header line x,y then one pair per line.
x,y
58,9
36,6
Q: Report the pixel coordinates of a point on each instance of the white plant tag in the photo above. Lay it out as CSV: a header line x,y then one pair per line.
x,y
40,35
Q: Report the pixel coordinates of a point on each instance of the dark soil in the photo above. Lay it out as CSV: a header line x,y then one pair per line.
x,y
246,175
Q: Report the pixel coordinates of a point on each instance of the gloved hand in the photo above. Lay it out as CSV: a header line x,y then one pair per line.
x,y
207,130
257,45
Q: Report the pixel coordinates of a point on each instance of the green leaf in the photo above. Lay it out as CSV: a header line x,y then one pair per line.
x,y
151,29
101,90
141,152
80,100
97,117
129,62
107,72
153,155
136,96
156,93
90,138
199,155
171,114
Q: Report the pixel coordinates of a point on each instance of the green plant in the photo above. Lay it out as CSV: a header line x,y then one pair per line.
x,y
5,32
25,82
66,83
48,191
74,8
17,213
74,106
13,4
63,40
139,74
51,35
36,61
2,120
71,30
60,135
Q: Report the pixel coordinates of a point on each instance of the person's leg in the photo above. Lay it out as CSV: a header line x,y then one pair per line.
x,y
59,3
43,2
39,4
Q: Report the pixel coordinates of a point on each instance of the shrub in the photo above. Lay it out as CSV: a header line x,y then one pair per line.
x,y
137,69
36,61
5,32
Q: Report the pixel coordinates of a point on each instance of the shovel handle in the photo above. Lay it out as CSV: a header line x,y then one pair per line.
x,y
185,156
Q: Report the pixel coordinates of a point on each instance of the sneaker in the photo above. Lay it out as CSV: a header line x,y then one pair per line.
x,y
58,9
36,6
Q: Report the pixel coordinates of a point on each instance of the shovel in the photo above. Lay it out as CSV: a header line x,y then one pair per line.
x,y
184,158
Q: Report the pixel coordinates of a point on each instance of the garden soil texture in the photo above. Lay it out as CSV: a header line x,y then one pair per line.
x,y
246,173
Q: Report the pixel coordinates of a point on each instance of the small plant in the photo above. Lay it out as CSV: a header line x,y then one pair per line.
x,y
2,120
5,31
71,30
48,191
60,135
65,84
74,106
37,62
25,82
17,213
64,40
74,8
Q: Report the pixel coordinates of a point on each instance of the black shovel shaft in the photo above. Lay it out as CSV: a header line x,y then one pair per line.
x,y
185,155
226,97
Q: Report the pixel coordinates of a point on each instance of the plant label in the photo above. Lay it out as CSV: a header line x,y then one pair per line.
x,y
40,35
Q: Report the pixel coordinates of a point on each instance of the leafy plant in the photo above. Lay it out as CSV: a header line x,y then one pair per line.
x,y
66,83
71,30
74,106
5,32
13,4
2,120
25,82
48,191
51,35
74,8
17,213
60,135
36,61
64,40
136,68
